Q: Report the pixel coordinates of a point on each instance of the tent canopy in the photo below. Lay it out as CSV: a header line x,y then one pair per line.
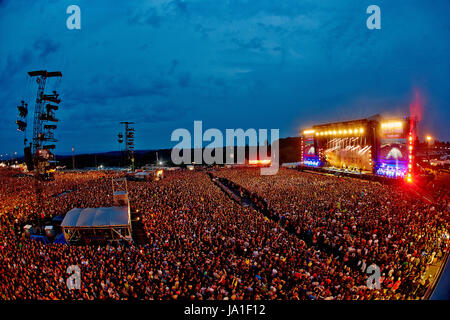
x,y
96,217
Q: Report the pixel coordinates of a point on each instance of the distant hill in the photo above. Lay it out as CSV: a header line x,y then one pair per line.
x,y
289,152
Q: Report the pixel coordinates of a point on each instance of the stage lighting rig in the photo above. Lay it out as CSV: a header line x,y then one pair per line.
x,y
21,125
22,118
129,142
44,112
23,109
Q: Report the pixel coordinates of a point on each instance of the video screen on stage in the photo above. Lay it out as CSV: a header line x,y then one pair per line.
x,y
308,147
393,157
394,151
349,153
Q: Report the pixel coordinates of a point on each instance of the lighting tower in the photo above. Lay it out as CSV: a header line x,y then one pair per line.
x,y
43,122
129,142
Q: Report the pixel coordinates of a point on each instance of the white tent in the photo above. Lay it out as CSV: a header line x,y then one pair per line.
x,y
111,223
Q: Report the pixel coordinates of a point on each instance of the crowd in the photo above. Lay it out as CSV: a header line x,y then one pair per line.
x,y
203,245
357,222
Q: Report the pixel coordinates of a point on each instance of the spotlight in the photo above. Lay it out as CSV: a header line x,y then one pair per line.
x,y
23,110
21,125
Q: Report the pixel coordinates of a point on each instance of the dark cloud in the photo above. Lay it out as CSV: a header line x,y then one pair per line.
x,y
180,5
149,17
13,64
253,44
111,87
184,79
45,46
173,65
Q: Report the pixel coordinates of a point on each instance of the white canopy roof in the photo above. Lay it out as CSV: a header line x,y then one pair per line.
x,y
96,217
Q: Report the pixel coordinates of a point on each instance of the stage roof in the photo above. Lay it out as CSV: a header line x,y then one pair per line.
x,y
96,217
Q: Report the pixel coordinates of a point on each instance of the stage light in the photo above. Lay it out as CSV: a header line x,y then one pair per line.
x,y
429,138
21,125
410,147
23,110
361,130
350,131
340,131
259,162
308,131
392,124
334,132
345,131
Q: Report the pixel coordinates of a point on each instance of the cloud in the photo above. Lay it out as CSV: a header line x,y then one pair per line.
x,y
256,44
110,87
45,46
184,79
150,17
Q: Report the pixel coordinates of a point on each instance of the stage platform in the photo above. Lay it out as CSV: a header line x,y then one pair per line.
x,y
352,174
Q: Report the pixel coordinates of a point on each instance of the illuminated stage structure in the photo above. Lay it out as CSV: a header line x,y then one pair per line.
x,y
376,146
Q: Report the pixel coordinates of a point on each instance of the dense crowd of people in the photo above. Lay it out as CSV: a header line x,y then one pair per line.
x,y
357,222
203,245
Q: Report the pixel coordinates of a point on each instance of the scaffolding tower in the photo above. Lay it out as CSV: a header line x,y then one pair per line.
x,y
44,121
129,143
